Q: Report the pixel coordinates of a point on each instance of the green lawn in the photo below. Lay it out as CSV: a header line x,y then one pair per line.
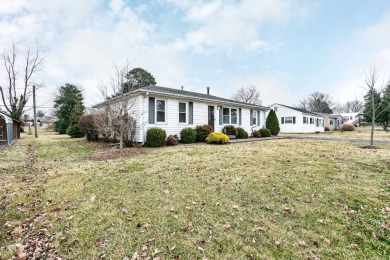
x,y
271,199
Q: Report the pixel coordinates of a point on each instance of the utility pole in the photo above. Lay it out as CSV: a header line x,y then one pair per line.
x,y
35,113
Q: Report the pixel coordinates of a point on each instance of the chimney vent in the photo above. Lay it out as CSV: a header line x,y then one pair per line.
x,y
182,87
208,90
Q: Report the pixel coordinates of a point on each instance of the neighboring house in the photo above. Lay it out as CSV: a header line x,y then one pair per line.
x,y
332,120
175,109
9,129
355,118
295,120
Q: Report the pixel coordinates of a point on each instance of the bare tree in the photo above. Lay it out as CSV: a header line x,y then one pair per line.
x,y
375,104
249,95
14,101
118,114
353,106
317,102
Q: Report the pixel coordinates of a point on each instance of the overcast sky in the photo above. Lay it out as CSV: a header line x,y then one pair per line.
x,y
287,49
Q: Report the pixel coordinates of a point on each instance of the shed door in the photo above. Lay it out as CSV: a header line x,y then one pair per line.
x,y
1,133
211,116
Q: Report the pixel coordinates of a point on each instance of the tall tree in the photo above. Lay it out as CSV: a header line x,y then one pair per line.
x,y
317,102
15,96
377,103
138,78
272,123
68,99
249,95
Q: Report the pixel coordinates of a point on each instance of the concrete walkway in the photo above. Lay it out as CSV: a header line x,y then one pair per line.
x,y
333,139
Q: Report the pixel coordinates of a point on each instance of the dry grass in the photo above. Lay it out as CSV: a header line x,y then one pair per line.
x,y
359,133
273,199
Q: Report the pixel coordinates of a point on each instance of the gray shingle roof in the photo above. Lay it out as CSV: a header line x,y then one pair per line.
x,y
302,110
189,94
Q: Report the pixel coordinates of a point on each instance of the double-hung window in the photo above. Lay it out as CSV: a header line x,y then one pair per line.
x,y
226,115
160,111
305,120
233,116
182,112
311,121
254,118
288,120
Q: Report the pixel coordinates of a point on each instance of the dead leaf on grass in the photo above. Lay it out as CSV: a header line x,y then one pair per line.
x,y
227,225
302,243
355,246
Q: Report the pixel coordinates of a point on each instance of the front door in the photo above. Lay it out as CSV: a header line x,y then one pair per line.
x,y
211,116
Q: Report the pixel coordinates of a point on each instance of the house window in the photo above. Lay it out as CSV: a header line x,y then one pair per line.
x,y
182,112
351,117
305,120
288,120
331,122
160,111
311,121
226,115
233,113
254,118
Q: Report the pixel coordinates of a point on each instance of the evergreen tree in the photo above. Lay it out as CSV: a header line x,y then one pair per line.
x,y
272,123
69,98
382,108
73,128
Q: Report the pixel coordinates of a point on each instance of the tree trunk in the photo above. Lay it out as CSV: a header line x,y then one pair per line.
x,y
373,118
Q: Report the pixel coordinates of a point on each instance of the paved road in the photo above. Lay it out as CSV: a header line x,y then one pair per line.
x,y
354,140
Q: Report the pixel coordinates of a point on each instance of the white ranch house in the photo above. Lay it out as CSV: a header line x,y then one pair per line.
x,y
175,109
295,120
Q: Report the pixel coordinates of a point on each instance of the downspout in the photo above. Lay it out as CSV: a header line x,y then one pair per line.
x,y
142,119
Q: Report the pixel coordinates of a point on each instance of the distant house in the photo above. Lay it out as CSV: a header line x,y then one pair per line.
x,y
355,118
9,129
295,120
333,121
174,109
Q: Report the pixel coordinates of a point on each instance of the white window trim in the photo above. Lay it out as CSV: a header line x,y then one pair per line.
x,y
165,111
230,116
186,113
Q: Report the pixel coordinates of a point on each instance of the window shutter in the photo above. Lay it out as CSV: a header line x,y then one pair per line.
x,y
239,116
258,118
293,119
251,117
282,120
152,110
220,116
191,113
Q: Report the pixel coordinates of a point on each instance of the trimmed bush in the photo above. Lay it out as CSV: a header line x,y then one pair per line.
x,y
202,131
272,123
171,140
217,138
326,128
241,133
188,135
155,137
229,130
265,132
256,134
347,127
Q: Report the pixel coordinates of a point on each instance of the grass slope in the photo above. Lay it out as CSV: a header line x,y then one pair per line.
x,y
273,199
